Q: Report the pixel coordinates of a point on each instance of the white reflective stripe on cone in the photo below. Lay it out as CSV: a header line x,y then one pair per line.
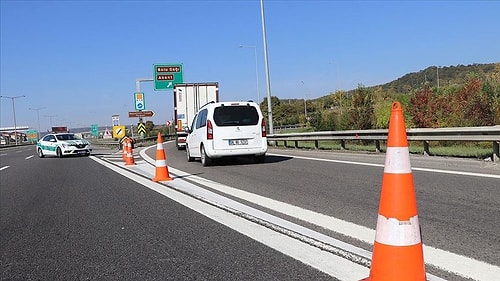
x,y
161,163
391,231
159,146
397,160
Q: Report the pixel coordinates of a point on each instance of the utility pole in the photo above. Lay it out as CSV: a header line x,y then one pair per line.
x,y
437,73
269,106
14,111
256,70
38,118
50,118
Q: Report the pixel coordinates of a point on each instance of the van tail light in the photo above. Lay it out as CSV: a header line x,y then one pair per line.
x,y
210,130
263,127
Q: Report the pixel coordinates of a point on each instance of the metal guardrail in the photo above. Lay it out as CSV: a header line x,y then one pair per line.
x,y
138,141
480,134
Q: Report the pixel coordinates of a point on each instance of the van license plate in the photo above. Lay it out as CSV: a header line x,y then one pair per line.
x,y
238,142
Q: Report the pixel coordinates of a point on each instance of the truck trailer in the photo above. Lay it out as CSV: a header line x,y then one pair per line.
x,y
188,98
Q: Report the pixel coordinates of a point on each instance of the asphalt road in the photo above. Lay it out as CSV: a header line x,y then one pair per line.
x,y
458,199
73,219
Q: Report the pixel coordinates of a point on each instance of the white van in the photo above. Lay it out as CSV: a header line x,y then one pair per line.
x,y
223,129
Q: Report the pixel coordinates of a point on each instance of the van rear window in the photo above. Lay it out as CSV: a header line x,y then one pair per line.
x,y
240,115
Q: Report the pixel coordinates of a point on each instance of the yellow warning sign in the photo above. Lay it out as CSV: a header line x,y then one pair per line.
x,y
141,128
118,132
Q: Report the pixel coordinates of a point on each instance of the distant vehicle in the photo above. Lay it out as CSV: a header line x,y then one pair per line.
x,y
227,129
62,145
188,98
60,129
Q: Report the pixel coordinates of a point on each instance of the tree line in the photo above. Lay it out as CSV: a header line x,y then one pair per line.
x,y
471,98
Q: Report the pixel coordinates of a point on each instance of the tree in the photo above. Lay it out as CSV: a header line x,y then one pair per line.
x,y
360,113
491,87
149,126
422,108
474,105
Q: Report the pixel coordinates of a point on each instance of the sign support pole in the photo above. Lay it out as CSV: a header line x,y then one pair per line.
x,y
138,83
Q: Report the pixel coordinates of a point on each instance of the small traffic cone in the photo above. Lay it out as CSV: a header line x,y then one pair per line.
x,y
124,149
161,173
130,155
397,251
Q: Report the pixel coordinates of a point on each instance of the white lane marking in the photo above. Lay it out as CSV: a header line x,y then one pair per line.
x,y
458,173
381,165
460,265
331,264
31,156
4,167
457,264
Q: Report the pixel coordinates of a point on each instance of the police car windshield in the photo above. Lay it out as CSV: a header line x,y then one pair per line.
x,y
67,137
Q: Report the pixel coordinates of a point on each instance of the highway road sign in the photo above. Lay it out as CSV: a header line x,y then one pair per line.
x,y
94,130
32,135
144,113
139,101
166,75
116,120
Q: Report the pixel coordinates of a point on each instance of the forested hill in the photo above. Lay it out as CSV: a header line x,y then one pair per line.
x,y
465,96
449,76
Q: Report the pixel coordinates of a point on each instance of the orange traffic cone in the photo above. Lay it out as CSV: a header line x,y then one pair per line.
x,y
397,251
161,173
130,155
124,149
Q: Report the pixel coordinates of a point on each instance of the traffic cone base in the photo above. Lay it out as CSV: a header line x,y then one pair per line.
x,y
161,172
406,263
397,250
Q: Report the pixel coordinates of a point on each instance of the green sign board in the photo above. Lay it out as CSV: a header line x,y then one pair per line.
x,y
32,135
166,75
94,130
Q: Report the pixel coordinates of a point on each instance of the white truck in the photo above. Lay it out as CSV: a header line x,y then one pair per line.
x,y
188,98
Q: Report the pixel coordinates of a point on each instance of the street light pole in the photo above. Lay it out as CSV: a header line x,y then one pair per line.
x,y
269,106
50,118
256,70
305,105
14,111
38,118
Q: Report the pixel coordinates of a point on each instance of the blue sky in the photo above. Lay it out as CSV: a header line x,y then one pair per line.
x,y
78,60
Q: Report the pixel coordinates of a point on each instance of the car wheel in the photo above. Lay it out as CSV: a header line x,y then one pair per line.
x,y
189,158
40,153
59,152
205,160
